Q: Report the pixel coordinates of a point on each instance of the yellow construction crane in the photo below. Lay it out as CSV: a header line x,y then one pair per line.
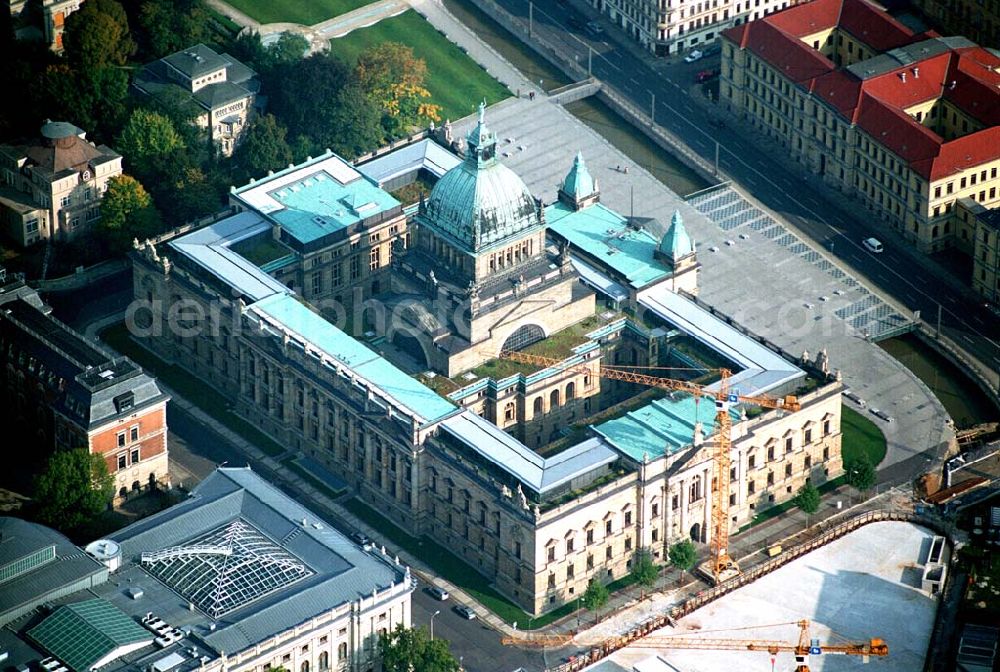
x,y
722,566
805,647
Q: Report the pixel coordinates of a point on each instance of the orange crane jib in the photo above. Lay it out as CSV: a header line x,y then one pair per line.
x,y
722,565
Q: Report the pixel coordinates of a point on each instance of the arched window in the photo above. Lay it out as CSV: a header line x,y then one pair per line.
x,y
342,652
304,667
539,405
523,337
324,661
554,399
570,391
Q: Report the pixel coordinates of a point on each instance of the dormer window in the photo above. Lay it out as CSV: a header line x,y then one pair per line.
x,y
124,402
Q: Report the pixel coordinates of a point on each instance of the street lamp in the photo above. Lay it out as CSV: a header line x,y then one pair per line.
x,y
432,623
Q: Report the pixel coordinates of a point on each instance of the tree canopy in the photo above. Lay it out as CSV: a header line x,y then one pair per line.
x,y
148,135
97,36
393,78
644,570
808,499
74,487
596,595
167,26
408,649
861,473
319,98
683,555
126,212
264,147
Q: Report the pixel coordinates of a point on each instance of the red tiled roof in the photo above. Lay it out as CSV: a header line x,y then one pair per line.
x,y
791,57
872,26
970,150
923,81
839,89
976,90
896,131
807,18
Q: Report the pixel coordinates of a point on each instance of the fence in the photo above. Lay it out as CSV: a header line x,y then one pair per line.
x,y
704,597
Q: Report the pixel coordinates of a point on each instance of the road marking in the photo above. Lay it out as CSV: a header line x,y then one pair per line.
x,y
979,320
966,337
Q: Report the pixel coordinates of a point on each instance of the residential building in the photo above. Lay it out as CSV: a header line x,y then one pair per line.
x,y
52,186
908,124
237,577
541,479
54,13
74,393
668,27
224,90
986,255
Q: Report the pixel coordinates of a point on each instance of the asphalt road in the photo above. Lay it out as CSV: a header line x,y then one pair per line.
x,y
838,226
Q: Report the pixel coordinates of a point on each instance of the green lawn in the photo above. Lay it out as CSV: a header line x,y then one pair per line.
x,y
860,436
305,12
188,386
456,82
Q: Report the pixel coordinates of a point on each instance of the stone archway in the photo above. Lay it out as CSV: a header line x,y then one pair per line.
x,y
696,532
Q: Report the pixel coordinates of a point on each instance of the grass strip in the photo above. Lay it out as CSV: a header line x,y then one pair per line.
x,y
205,397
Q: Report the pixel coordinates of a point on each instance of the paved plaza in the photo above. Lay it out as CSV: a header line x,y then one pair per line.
x,y
768,279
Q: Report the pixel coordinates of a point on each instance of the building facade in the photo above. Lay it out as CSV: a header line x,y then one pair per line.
x,y
54,13
52,187
222,88
986,255
668,27
979,21
75,394
907,124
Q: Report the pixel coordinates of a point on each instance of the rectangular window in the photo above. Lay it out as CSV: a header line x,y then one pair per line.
x,y
121,462
121,439
607,528
590,536
628,518
751,461
135,455
808,437
788,444
375,258
133,433
552,553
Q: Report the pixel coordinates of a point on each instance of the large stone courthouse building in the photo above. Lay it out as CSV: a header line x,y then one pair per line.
x,y
364,332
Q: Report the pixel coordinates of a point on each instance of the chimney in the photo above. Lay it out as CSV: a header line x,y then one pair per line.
x,y
902,76
952,85
916,73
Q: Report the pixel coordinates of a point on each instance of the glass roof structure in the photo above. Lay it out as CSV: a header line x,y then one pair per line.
x,y
86,635
226,568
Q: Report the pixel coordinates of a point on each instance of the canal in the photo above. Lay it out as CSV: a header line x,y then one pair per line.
x,y
964,401
664,166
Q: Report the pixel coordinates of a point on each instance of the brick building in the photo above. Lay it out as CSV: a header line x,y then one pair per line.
x,y
908,124
75,394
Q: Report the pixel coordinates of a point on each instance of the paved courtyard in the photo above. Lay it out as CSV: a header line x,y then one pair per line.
x,y
768,279
861,586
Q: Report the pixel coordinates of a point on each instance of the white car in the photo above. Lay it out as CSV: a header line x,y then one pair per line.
x,y
693,56
873,245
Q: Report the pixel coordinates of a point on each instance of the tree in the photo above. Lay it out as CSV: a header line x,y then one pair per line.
x,y
148,135
407,649
264,147
808,500
289,48
683,555
319,98
172,25
393,78
74,487
126,212
861,474
596,595
644,570
97,36
91,99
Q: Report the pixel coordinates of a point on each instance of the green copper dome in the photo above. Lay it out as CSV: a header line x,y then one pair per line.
x,y
578,183
480,201
676,243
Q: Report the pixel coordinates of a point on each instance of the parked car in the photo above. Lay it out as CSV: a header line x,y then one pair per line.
x,y
855,398
706,75
594,28
465,612
438,593
693,56
361,539
880,414
873,245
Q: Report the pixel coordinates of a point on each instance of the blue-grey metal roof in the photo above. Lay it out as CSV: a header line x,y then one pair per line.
x,y
209,249
541,474
314,331
342,572
70,570
423,155
762,368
